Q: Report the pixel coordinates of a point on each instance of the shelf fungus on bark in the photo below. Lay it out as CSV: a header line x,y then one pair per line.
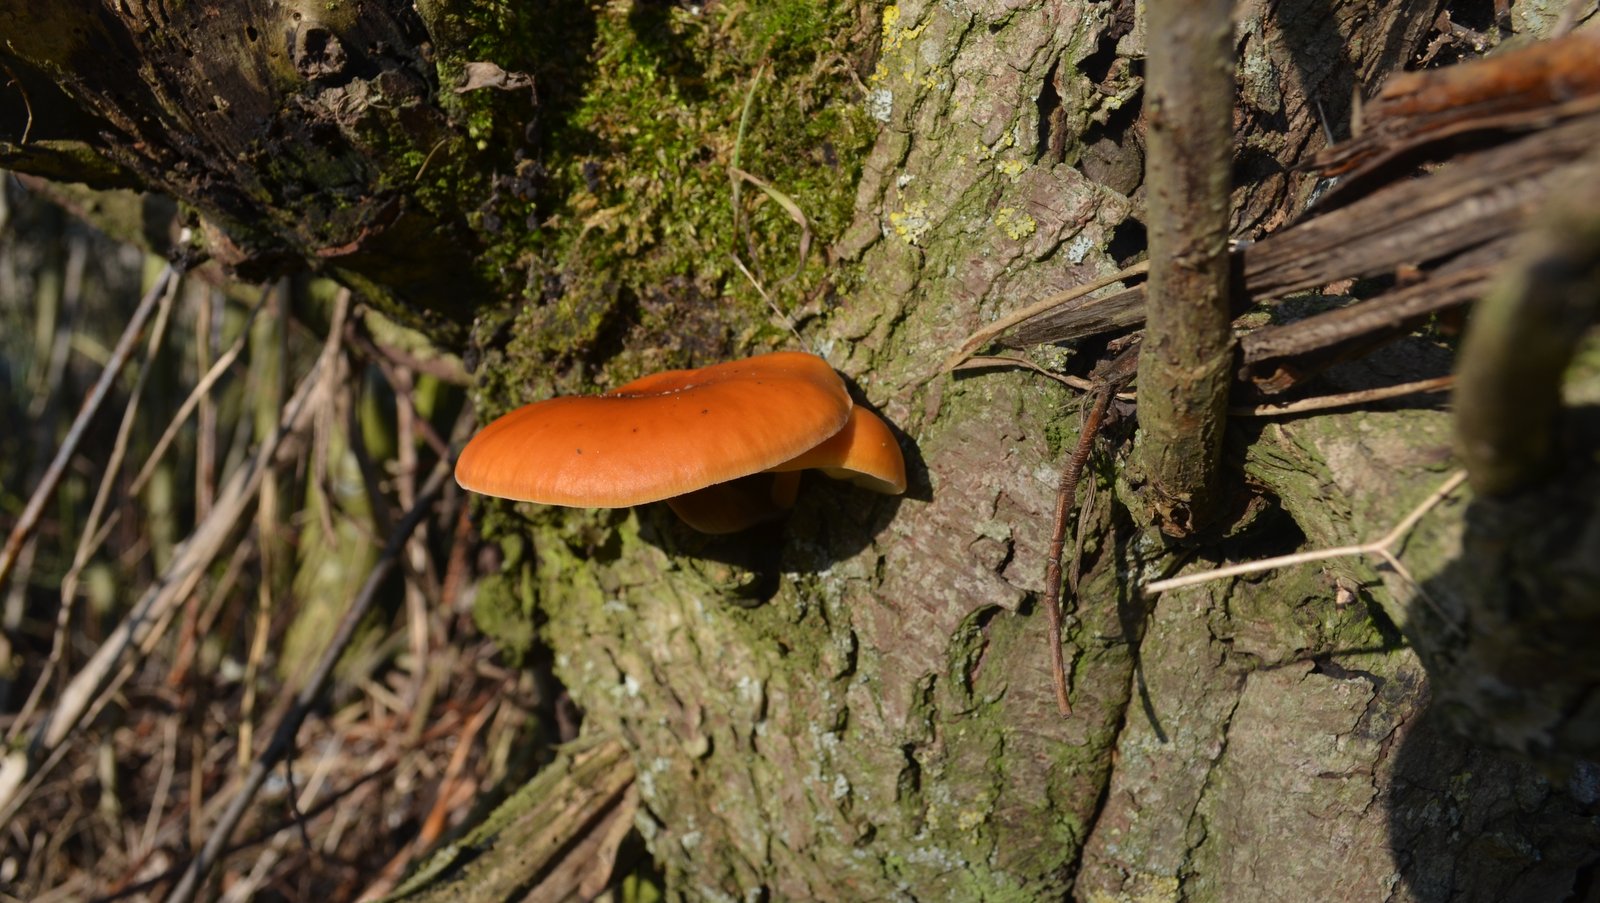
x,y
722,445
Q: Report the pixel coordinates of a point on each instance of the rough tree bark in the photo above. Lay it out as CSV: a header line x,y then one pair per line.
x,y
857,704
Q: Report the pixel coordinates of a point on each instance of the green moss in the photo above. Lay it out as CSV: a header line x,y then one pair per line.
x,y
633,266
504,604
634,260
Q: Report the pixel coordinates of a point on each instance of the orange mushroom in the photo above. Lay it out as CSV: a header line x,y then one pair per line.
x,y
864,452
674,434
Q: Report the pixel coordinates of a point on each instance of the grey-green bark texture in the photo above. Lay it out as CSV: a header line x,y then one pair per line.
x,y
857,704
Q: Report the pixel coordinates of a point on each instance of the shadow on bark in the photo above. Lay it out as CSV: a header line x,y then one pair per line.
x,y
832,521
1470,823
1496,789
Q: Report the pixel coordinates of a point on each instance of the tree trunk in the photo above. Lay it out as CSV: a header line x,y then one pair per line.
x,y
857,703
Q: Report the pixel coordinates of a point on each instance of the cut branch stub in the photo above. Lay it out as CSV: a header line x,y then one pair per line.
x,y
1184,367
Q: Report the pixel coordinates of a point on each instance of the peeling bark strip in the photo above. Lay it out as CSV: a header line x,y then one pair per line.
x,y
1470,202
1275,359
1520,89
1183,369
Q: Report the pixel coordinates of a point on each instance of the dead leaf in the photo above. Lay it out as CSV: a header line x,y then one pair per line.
x,y
487,75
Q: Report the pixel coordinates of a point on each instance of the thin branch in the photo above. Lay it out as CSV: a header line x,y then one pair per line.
x,y
27,104
1344,399
984,362
1109,376
1005,360
1066,496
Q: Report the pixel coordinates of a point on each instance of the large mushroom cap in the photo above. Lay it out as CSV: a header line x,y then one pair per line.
x,y
660,436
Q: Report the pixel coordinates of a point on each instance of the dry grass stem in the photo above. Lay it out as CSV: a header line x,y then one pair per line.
x,y
1345,399
283,735
1380,547
157,602
199,393
86,538
989,333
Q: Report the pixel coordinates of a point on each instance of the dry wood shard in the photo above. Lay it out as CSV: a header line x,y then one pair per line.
x,y
1448,227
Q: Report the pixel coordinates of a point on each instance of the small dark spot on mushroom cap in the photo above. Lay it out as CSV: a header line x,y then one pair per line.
x,y
580,451
705,410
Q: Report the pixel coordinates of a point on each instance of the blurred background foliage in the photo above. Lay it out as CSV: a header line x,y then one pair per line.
x,y
420,725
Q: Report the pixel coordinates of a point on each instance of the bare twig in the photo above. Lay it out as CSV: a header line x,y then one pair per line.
x,y
27,105
983,362
1085,512
988,362
1109,377
1344,399
1066,496
392,367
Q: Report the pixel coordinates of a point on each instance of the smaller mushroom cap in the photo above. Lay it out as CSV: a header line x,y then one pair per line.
x,y
664,435
865,452
737,504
